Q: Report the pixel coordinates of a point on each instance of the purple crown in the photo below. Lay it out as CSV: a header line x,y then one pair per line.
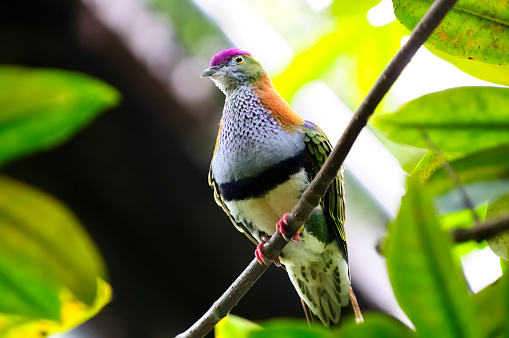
x,y
225,55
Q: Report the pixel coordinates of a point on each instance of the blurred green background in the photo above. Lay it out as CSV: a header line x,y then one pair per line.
x,y
137,176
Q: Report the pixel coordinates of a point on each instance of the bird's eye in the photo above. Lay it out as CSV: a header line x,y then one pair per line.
x,y
239,59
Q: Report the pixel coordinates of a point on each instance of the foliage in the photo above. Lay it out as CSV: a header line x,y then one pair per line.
x,y
470,128
476,31
426,281
456,120
44,107
500,243
51,274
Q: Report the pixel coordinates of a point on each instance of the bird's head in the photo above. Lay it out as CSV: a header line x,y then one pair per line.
x,y
232,68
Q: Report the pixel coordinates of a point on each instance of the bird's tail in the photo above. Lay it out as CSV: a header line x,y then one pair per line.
x,y
325,290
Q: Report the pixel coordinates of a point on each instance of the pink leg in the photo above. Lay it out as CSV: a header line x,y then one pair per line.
x,y
259,253
280,226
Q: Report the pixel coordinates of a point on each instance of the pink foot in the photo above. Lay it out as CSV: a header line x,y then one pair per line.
x,y
260,257
280,226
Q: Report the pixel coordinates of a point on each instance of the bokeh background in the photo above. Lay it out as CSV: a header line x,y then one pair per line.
x,y
137,176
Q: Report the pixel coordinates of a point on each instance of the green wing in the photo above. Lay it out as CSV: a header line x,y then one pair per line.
x,y
318,149
219,200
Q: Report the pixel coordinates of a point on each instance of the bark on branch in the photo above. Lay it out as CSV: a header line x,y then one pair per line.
x,y
311,197
481,231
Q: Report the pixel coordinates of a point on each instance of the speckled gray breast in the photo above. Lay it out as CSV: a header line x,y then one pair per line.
x,y
250,140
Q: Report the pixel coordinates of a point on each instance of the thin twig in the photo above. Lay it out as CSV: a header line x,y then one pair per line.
x,y
481,231
311,197
467,202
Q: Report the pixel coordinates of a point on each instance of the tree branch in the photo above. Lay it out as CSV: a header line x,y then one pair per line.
x,y
311,197
481,231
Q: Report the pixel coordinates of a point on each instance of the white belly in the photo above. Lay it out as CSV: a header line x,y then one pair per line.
x,y
265,211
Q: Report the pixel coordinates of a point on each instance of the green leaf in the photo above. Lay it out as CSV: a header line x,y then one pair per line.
x,y
429,163
21,293
426,281
486,165
40,108
233,326
476,30
462,119
499,244
290,328
375,325
491,307
43,249
73,313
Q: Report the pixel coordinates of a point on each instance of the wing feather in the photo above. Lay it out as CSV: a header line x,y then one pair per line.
x,y
318,148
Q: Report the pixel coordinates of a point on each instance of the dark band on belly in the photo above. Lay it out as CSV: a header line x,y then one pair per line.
x,y
262,183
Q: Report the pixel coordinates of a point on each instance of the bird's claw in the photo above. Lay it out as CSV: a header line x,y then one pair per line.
x,y
260,257
280,226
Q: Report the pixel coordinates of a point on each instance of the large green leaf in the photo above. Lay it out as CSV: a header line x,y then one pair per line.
x,y
477,30
461,119
40,108
375,325
426,281
43,250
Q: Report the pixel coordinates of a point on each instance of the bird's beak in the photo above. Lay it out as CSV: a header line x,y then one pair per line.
x,y
209,72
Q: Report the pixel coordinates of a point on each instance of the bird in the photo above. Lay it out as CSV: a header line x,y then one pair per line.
x,y
265,156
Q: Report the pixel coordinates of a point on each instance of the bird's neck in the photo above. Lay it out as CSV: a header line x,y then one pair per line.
x,y
267,97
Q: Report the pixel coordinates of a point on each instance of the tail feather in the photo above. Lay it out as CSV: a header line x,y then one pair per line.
x,y
325,289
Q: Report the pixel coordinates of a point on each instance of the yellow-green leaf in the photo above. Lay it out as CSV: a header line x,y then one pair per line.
x,y
476,30
234,326
40,108
43,250
73,312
